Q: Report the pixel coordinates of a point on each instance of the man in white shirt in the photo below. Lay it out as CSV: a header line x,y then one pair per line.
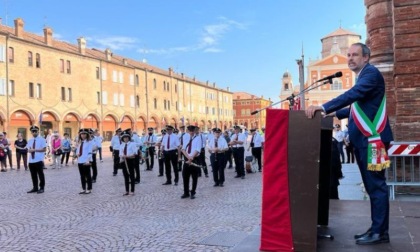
x,y
237,142
217,147
150,142
339,136
256,147
202,156
36,152
99,140
115,148
191,151
170,144
183,139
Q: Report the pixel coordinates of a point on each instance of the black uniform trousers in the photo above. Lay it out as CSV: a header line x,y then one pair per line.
x,y
238,155
116,155
228,157
161,162
256,152
37,171
202,162
187,172
171,158
377,189
137,166
85,176
94,167
350,152
128,171
151,160
218,165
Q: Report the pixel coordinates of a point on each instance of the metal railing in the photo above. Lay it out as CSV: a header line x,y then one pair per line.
x,y
405,165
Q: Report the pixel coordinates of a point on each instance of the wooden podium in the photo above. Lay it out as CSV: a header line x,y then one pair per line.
x,y
297,154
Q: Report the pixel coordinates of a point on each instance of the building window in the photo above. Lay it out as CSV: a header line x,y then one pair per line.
x,y
11,88
167,86
164,104
176,106
137,101
164,87
39,91
38,60
286,86
154,83
11,55
68,67
97,73
337,85
31,90
137,80
155,103
61,66
70,94
176,88
98,97
169,105
63,93
30,59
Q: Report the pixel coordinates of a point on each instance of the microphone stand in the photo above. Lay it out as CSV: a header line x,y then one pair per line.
x,y
291,98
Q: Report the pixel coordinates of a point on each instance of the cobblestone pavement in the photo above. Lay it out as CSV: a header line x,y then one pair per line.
x,y
155,219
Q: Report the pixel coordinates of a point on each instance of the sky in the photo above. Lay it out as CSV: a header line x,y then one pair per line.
x,y
242,44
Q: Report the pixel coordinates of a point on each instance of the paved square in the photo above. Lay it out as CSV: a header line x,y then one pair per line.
x,y
155,219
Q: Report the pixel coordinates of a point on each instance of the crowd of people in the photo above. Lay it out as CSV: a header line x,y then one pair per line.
x,y
177,151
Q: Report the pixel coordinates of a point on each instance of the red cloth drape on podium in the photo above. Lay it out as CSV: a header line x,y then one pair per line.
x,y
276,224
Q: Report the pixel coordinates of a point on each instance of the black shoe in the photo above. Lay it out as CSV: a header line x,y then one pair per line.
x,y
114,174
260,170
373,239
217,184
207,175
243,177
40,191
167,183
199,175
82,192
137,182
221,184
93,180
176,183
192,196
160,175
237,176
184,196
358,236
33,191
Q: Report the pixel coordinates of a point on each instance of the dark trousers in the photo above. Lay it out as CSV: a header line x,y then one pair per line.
x,y
128,171
37,171
377,189
238,155
341,150
151,160
116,155
9,156
24,156
94,167
100,153
161,162
218,165
256,152
202,160
171,158
137,166
65,155
228,157
187,172
85,177
350,153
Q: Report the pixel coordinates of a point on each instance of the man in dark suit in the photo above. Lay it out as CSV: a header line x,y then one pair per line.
x,y
366,97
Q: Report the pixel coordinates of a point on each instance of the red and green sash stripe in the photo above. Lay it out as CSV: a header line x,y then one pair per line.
x,y
377,154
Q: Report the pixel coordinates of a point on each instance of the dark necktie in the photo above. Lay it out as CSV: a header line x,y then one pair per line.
x,y
189,146
125,149
182,139
81,150
148,140
167,144
215,142
252,140
33,147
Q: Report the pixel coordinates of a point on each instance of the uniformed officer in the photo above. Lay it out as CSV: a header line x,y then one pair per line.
x,y
256,147
137,141
217,147
191,151
84,157
170,144
115,148
202,156
36,149
237,142
161,156
127,153
183,138
150,143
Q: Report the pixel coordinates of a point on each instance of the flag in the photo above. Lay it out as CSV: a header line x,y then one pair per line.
x,y
40,119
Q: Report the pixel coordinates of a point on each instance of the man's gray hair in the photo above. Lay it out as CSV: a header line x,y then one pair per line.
x,y
365,49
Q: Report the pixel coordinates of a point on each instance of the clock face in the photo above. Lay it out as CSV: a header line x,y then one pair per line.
x,y
335,59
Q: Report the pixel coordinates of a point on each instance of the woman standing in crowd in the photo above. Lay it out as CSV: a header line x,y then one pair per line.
x,y
84,156
21,151
128,151
56,150
66,147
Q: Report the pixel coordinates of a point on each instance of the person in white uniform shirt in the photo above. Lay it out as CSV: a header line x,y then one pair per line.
x,y
202,157
237,141
137,141
36,152
84,157
150,142
99,140
217,147
128,151
169,144
191,151
115,149
339,136
183,139
256,146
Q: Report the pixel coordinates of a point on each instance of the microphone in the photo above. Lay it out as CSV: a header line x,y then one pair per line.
x,y
336,75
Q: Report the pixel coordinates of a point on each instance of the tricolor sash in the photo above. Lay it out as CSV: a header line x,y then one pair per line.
x,y
378,159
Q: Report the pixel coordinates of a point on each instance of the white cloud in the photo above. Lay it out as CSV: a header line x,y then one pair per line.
x,y
114,43
359,28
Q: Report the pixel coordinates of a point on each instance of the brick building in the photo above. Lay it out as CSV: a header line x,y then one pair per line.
x,y
68,86
393,34
244,104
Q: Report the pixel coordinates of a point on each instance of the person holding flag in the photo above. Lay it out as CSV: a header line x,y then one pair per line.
x,y
370,133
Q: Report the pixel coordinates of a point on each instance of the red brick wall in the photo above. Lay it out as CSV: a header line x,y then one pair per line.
x,y
393,28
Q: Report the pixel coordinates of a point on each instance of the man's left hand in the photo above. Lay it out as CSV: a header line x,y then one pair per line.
x,y
311,110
